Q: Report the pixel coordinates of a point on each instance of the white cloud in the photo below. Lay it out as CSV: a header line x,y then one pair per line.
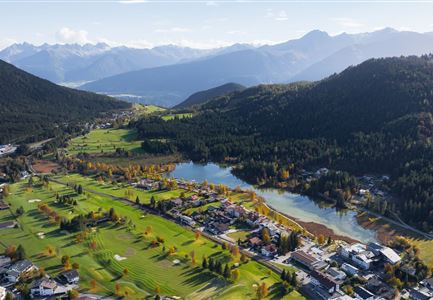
x,y
281,16
277,16
141,44
236,32
172,30
348,22
68,35
6,42
211,3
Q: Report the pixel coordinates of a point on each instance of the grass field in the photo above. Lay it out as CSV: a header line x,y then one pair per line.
x,y
180,116
147,109
147,267
105,141
120,190
426,250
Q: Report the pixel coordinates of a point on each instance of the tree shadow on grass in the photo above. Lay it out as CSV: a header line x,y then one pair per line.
x,y
276,291
187,242
196,276
160,257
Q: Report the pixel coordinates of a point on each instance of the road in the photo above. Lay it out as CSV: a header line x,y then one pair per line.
x,y
397,223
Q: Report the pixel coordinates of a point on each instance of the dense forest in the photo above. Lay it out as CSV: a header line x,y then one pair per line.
x,y
32,108
374,117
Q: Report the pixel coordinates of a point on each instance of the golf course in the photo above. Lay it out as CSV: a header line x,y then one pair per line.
x,y
122,259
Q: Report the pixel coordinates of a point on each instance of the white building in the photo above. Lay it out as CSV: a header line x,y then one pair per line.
x,y
358,254
2,293
43,287
349,269
18,269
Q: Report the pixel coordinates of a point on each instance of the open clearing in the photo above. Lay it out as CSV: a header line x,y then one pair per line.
x,y
147,266
105,141
179,116
44,166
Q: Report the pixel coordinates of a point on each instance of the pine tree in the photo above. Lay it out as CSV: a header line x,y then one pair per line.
x,y
211,264
20,254
227,272
293,281
204,263
283,275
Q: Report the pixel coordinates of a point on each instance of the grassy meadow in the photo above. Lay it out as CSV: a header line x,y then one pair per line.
x,y
104,141
179,116
147,267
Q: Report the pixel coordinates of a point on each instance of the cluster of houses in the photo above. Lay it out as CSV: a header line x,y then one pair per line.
x,y
13,272
326,271
220,218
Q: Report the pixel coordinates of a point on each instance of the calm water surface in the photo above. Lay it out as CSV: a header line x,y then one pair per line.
x,y
301,207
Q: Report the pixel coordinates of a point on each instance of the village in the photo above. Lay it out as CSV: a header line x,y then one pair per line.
x,y
323,268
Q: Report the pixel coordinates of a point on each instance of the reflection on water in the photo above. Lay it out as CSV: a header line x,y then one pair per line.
x,y
301,207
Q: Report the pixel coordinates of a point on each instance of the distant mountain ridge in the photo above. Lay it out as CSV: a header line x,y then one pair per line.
x,y
314,56
207,95
32,108
82,63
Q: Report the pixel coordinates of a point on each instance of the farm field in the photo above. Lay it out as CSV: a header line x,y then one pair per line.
x,y
120,247
103,141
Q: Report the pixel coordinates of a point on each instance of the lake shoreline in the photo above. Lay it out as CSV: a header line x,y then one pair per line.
x,y
314,217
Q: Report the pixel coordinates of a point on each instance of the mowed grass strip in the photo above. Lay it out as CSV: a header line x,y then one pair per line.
x,y
120,190
147,266
105,141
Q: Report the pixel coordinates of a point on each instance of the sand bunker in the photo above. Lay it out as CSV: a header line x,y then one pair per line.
x,y
176,262
34,200
41,235
119,258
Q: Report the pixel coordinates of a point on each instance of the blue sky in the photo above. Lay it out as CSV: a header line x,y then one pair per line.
x,y
201,24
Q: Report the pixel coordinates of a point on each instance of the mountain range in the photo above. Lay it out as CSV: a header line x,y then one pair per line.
x,y
167,75
312,57
74,64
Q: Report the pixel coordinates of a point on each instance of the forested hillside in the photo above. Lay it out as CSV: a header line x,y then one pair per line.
x,y
207,95
375,117
34,108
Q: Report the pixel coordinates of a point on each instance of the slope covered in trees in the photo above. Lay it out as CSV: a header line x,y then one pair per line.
x,y
375,117
207,95
31,107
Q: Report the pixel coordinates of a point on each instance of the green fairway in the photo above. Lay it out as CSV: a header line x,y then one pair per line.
x,y
119,190
105,141
147,266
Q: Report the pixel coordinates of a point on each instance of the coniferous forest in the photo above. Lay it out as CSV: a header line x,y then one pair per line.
x,y
32,109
